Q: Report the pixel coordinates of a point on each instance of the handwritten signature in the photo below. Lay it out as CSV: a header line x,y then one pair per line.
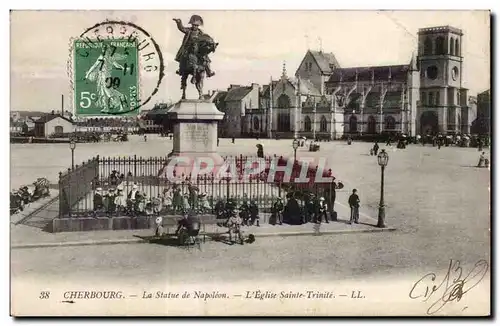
x,y
452,287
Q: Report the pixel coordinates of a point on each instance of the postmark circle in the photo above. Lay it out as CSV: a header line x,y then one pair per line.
x,y
110,62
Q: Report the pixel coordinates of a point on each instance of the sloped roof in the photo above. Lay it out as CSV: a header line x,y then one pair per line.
x,y
237,93
17,124
159,110
25,114
265,88
484,93
324,60
397,73
307,87
49,117
220,96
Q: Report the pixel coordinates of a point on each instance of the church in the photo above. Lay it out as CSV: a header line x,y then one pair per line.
x,y
327,101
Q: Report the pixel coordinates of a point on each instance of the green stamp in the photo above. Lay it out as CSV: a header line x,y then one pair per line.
x,y
106,77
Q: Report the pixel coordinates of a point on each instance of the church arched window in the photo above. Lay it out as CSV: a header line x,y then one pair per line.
x,y
440,45
307,124
390,123
323,124
427,45
283,102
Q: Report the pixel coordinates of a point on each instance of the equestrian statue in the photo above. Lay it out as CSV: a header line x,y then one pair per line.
x,y
193,55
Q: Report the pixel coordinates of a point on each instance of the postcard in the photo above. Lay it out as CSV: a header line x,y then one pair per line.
x,y
250,163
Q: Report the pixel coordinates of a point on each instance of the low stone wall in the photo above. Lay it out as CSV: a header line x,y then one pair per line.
x,y
84,224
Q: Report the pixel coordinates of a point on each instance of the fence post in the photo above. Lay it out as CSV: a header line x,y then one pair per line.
x,y
70,179
135,166
61,191
227,187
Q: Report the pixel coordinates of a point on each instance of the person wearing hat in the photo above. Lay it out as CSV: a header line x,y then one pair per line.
x,y
98,200
354,204
234,225
185,202
193,195
277,212
204,204
245,210
159,226
260,151
321,210
309,209
120,199
132,195
110,198
192,35
190,222
254,213
375,148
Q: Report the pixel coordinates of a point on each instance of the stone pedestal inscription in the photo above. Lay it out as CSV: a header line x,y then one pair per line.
x,y
195,129
197,134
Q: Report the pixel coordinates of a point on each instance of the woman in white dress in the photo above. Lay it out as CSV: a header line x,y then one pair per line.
x,y
100,73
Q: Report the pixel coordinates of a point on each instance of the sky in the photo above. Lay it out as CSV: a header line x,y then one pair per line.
x,y
253,45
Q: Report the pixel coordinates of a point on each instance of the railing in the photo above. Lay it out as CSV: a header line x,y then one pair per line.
x,y
78,187
75,184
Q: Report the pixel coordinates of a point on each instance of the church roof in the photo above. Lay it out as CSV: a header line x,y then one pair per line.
x,y
307,88
397,73
237,93
265,89
325,60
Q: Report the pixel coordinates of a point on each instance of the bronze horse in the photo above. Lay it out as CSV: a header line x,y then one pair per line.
x,y
194,63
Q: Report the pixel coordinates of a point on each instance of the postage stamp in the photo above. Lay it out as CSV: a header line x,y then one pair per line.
x,y
108,63
106,80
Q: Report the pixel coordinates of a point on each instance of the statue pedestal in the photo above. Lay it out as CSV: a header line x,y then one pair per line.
x,y
195,134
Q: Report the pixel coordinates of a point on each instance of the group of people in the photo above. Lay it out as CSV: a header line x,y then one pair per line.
x,y
28,194
115,200
305,207
95,137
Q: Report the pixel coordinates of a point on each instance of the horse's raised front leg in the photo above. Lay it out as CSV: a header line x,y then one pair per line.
x,y
199,85
183,86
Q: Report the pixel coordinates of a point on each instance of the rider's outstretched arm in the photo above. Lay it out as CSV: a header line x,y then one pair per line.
x,y
180,27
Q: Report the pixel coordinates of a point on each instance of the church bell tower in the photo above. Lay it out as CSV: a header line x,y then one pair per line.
x,y
441,93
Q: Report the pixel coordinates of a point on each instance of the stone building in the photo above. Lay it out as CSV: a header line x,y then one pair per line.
x,y
482,125
239,103
323,100
380,99
53,124
444,101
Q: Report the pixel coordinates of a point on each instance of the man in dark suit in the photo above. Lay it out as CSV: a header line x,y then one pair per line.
x,y
354,204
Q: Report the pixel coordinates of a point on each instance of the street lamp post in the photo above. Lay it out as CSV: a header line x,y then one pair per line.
x,y
295,145
72,146
383,159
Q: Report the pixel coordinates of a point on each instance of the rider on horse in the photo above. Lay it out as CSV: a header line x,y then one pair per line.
x,y
192,35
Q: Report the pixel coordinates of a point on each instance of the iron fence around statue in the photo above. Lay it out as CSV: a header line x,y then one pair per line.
x,y
115,180
75,185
